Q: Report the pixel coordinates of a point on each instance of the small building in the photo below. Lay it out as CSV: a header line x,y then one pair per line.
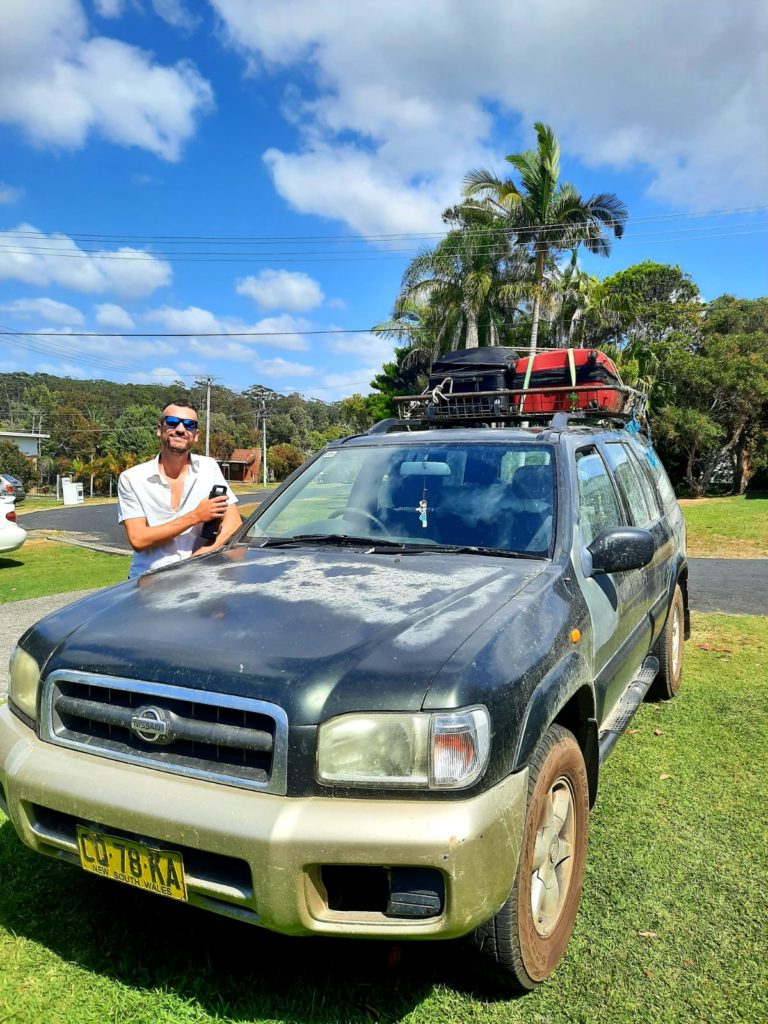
x,y
27,442
243,465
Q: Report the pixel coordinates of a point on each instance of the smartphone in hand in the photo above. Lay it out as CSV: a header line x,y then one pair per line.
x,y
211,529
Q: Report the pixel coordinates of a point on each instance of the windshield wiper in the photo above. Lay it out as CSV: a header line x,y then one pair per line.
x,y
383,545
470,549
339,539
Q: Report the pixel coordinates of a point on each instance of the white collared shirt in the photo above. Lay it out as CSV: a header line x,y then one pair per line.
x,y
143,492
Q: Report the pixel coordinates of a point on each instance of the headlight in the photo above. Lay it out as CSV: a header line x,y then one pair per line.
x,y
442,750
25,678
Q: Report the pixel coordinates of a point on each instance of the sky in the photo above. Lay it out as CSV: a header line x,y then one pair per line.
x,y
263,170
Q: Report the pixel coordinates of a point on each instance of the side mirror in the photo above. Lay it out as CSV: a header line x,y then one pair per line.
x,y
620,549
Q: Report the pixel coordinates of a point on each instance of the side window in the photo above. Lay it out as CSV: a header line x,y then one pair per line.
x,y
598,504
652,463
652,495
631,487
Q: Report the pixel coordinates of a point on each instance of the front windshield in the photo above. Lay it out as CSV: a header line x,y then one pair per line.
x,y
489,496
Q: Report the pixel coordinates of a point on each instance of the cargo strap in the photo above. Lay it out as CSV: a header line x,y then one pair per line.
x,y
572,367
527,380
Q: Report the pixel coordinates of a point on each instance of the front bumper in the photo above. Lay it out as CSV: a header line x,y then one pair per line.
x,y
260,857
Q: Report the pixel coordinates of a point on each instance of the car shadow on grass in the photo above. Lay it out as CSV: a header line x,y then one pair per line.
x,y
231,969
9,563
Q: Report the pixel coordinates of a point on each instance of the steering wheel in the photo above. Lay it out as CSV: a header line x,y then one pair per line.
x,y
362,514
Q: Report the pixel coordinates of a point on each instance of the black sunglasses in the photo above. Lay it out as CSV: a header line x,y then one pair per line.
x,y
174,421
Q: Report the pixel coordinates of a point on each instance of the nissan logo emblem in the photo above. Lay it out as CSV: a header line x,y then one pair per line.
x,y
152,725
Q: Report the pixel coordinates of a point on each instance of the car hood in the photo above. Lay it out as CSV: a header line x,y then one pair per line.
x,y
318,631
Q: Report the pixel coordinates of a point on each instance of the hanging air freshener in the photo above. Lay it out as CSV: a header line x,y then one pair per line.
x,y
422,510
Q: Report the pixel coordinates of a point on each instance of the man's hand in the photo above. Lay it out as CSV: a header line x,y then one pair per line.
x,y
210,508
232,521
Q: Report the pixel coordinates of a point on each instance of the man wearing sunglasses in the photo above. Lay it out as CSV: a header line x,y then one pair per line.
x,y
163,503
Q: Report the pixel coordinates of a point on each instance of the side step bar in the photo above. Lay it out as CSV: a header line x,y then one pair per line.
x,y
626,706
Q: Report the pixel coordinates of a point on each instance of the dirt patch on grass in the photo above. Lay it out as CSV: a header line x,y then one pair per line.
x,y
725,547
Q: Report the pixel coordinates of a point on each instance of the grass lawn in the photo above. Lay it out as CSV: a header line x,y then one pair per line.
x,y
672,926
44,567
727,527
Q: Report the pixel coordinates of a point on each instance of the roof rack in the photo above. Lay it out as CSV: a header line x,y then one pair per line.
x,y
588,402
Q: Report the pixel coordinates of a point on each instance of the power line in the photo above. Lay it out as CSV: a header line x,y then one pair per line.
x,y
518,232
7,332
384,237
563,242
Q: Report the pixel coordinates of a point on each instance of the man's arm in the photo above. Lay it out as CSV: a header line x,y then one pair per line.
x,y
232,521
141,536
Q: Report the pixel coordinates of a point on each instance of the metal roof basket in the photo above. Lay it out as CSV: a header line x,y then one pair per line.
x,y
444,407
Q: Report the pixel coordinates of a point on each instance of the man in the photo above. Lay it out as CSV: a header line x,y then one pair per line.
x,y
163,503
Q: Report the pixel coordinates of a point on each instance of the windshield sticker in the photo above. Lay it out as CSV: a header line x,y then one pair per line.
x,y
329,455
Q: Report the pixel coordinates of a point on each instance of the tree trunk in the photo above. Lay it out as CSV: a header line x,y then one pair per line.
x,y
540,254
472,339
693,484
743,469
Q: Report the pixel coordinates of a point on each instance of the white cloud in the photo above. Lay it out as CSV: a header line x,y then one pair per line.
x,y
276,331
333,386
59,85
45,309
29,255
109,8
276,368
176,14
365,345
9,193
67,370
407,92
282,289
114,317
346,183
122,352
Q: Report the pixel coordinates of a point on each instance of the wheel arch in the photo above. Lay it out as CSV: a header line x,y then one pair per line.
x,y
564,697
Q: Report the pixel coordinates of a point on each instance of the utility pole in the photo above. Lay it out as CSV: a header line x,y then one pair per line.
x,y
264,441
206,383
259,398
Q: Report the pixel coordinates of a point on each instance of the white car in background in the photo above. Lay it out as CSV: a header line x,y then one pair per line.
x,y
11,534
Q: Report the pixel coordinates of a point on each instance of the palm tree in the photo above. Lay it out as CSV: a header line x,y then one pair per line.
x,y
600,306
464,289
543,214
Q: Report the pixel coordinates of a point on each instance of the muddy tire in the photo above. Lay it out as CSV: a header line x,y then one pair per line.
x,y
669,651
525,941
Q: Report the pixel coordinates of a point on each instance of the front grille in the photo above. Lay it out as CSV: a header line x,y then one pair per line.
x,y
232,740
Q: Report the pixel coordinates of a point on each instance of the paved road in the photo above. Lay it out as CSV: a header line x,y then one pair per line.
x,y
98,523
737,586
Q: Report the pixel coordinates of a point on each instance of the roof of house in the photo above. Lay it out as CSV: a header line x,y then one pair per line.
x,y
246,455
22,433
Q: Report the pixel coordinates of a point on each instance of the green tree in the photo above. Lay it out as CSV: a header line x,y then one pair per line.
x,y
356,414
664,300
544,215
135,431
399,377
282,459
16,463
713,412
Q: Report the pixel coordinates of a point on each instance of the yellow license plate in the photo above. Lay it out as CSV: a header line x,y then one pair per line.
x,y
160,871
